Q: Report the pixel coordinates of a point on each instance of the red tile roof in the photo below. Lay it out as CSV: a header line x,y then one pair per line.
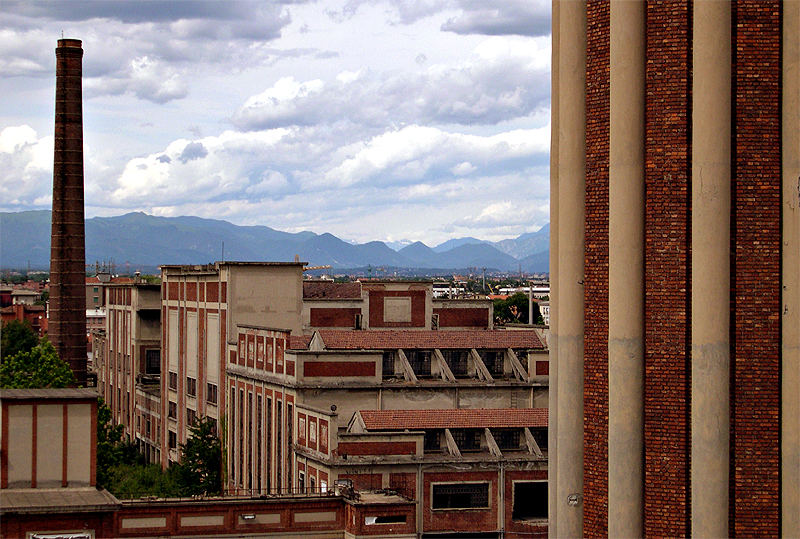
x,y
394,339
299,342
331,290
454,418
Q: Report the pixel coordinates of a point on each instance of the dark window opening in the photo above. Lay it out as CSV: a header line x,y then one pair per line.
x,y
278,446
173,440
268,458
191,386
540,435
460,496
211,393
507,438
493,360
173,381
259,417
385,519
420,361
388,364
522,356
172,410
530,500
289,442
250,440
191,416
457,361
152,361
433,440
467,439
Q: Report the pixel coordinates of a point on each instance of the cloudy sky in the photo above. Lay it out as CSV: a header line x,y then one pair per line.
x,y
372,120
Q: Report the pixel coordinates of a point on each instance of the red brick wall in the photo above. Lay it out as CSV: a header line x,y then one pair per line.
x,y
756,251
667,268
377,448
364,481
595,365
339,368
470,317
376,308
339,317
404,483
469,520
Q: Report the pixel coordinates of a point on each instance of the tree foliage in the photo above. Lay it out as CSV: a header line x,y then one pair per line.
x,y
37,368
201,460
17,337
514,309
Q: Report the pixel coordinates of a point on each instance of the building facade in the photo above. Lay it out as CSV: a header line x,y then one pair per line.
x,y
674,269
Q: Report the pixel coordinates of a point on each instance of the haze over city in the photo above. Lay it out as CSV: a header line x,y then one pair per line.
x,y
369,120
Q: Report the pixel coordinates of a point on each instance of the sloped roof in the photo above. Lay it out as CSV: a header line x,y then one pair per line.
x,y
331,290
454,418
422,339
299,342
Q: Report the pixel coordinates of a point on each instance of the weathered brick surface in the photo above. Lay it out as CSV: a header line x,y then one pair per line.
x,y
472,317
334,317
756,251
667,268
595,365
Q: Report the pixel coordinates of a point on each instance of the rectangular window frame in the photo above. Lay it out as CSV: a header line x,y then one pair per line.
x,y
453,485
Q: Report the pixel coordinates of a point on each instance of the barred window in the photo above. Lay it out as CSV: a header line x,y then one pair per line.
x,y
457,361
420,361
388,364
507,438
433,440
460,496
152,361
493,360
467,439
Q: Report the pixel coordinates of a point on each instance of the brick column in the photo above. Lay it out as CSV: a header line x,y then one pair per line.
x,y
67,325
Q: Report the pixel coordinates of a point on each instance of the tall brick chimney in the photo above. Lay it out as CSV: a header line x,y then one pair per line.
x,y
67,329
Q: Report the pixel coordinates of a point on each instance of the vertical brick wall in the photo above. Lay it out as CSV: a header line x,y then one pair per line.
x,y
756,249
667,268
595,373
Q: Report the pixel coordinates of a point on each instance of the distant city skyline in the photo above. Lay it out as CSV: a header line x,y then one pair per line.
x,y
375,121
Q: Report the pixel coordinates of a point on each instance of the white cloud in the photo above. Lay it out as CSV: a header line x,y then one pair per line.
x,y
26,168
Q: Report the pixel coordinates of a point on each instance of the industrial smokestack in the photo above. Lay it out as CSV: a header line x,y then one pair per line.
x,y
67,324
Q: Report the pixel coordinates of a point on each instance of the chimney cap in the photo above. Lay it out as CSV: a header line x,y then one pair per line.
x,y
69,43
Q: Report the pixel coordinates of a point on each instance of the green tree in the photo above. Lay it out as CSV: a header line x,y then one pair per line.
x,y
201,460
135,481
109,445
514,309
17,337
38,367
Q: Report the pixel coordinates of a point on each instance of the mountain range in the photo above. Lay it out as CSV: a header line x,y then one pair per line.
x,y
145,242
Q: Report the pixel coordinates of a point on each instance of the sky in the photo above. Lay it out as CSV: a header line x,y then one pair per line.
x,y
372,120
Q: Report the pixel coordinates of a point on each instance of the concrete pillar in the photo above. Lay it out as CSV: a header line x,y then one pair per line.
x,y
569,302
552,398
790,308
710,281
626,270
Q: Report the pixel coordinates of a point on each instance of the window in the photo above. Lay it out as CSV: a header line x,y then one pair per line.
x,y
467,439
278,447
259,417
457,361
191,416
172,410
147,427
191,386
173,440
152,361
420,361
432,440
460,496
493,360
385,519
232,408
313,483
312,432
301,427
96,299
268,458
211,393
173,381
540,435
301,481
388,363
95,289
241,437
250,441
507,438
530,500
289,441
